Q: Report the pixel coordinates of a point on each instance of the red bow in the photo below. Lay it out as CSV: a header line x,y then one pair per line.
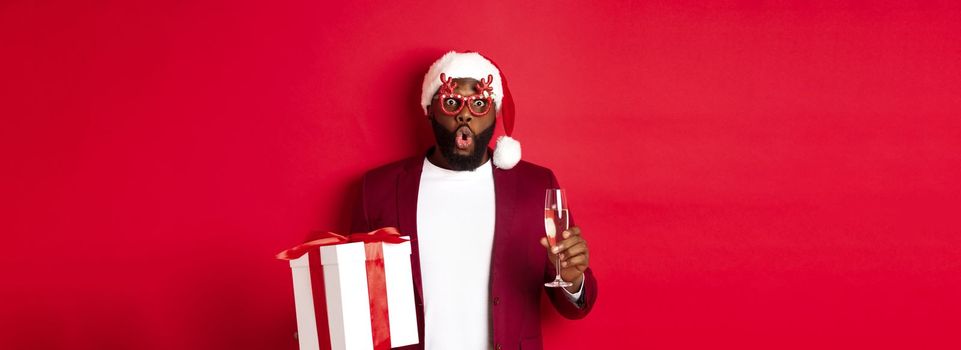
x,y
386,234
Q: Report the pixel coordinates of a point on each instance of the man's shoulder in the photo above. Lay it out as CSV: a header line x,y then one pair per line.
x,y
393,169
525,168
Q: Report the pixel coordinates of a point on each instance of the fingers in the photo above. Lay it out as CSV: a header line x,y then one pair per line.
x,y
576,249
567,243
579,262
572,251
572,255
573,231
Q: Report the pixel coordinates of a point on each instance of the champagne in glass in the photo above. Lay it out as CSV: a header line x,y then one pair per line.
x,y
556,220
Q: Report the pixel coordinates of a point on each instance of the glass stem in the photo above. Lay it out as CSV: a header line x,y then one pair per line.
x,y
557,267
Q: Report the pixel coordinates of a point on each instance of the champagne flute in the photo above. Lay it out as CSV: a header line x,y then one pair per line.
x,y
556,219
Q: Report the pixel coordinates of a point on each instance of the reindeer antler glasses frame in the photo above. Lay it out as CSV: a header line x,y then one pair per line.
x,y
453,103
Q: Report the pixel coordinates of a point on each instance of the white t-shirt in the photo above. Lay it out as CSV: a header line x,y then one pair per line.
x,y
455,234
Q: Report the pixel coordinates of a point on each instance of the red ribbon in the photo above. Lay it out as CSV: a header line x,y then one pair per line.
x,y
377,290
386,235
376,278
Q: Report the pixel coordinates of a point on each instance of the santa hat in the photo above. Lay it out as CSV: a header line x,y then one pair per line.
x,y
474,65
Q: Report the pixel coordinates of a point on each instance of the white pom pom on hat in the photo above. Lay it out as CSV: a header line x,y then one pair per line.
x,y
508,152
474,65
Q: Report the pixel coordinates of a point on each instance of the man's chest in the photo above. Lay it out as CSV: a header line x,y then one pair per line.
x,y
455,222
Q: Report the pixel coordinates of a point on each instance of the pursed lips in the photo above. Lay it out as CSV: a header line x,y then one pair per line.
x,y
464,137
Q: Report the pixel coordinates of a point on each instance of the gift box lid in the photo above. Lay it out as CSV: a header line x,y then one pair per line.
x,y
396,249
342,253
351,252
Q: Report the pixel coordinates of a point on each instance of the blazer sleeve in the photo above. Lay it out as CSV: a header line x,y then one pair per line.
x,y
560,301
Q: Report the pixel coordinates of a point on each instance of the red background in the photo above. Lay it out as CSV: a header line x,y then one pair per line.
x,y
749,175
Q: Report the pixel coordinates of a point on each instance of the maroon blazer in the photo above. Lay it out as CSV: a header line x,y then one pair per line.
x,y
519,264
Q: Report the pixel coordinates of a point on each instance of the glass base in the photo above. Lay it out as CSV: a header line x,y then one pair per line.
x,y
558,282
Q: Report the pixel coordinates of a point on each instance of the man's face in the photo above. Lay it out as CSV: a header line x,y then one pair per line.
x,y
462,138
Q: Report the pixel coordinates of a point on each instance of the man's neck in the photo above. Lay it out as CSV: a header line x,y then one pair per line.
x,y
435,157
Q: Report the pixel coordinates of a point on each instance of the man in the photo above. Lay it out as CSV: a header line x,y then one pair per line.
x,y
478,242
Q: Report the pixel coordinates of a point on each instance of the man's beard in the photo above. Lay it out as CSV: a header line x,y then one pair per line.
x,y
446,139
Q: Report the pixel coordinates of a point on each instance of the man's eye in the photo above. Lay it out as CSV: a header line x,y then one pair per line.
x,y
450,102
479,103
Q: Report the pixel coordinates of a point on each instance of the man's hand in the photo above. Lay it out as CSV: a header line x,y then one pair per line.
x,y
573,254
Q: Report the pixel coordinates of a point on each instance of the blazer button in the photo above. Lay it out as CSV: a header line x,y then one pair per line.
x,y
497,300
498,347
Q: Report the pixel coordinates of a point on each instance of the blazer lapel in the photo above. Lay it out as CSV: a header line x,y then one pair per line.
x,y
505,187
408,185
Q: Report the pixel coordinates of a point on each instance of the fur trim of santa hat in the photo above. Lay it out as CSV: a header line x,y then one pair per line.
x,y
474,65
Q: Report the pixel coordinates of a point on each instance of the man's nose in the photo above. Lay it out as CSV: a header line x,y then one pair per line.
x,y
464,116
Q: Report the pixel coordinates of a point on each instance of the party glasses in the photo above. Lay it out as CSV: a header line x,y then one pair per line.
x,y
453,103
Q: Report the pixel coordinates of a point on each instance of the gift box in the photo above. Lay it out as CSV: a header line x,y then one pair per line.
x,y
354,291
